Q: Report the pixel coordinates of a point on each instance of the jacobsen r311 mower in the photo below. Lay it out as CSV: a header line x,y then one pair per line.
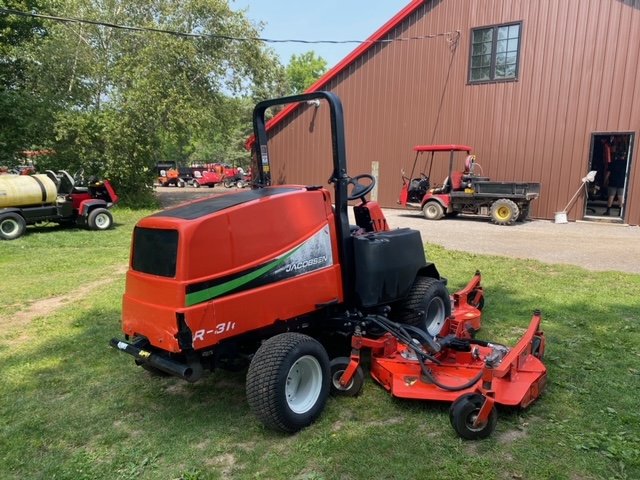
x,y
299,282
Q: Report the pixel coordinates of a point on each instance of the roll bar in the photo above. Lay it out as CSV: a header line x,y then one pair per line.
x,y
339,177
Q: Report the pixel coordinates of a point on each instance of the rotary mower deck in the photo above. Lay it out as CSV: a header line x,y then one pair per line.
x,y
453,367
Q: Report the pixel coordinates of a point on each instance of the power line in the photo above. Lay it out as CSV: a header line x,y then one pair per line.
x,y
451,36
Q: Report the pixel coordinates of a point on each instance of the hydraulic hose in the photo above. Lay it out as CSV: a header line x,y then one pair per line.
x,y
450,388
400,332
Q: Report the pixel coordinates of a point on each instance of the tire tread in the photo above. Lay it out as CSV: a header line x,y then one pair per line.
x,y
263,376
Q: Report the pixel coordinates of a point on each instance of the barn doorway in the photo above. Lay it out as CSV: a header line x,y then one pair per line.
x,y
611,159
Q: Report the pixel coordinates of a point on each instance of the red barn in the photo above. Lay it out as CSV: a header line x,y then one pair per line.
x,y
544,91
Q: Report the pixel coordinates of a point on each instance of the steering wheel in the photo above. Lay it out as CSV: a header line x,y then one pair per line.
x,y
359,190
78,177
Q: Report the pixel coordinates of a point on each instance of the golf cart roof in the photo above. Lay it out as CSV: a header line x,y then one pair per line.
x,y
442,148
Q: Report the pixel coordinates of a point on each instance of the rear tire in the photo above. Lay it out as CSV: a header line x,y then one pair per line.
x,y
195,184
100,219
504,212
427,306
12,226
432,210
288,382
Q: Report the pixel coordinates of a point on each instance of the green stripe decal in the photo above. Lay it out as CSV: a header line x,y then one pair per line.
x,y
218,290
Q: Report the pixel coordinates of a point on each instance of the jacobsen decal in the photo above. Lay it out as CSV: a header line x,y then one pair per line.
x,y
313,254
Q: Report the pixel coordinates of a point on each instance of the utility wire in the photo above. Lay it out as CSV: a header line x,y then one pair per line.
x,y
451,36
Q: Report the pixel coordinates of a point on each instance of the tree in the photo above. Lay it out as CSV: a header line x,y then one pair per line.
x,y
303,71
22,118
127,100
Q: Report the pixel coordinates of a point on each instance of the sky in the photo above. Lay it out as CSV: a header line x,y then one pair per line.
x,y
319,20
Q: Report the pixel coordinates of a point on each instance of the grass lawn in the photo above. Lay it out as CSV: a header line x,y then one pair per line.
x,y
73,408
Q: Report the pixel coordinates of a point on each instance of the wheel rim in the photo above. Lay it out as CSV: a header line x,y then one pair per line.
x,y
503,213
102,220
432,211
435,316
9,227
336,381
470,420
304,383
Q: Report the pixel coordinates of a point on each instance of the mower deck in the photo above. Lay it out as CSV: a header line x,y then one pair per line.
x,y
517,381
454,367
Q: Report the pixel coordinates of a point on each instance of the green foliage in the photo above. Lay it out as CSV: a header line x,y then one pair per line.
x,y
119,102
303,71
23,121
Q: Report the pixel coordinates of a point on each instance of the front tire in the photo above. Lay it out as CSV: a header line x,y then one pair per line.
x,y
288,382
100,219
427,306
432,210
12,226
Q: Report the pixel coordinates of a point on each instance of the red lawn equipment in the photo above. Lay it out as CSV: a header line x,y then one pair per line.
x,y
205,178
299,283
465,191
53,197
169,177
473,374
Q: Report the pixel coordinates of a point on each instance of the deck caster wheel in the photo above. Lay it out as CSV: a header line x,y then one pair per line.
x,y
288,382
536,348
463,414
338,366
476,299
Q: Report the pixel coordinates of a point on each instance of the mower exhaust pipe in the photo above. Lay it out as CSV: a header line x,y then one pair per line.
x,y
167,365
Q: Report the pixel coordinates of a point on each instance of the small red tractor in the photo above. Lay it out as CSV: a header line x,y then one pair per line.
x,y
303,283
170,177
465,191
53,197
205,178
218,173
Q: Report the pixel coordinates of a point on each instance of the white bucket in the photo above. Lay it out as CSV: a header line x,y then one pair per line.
x,y
561,217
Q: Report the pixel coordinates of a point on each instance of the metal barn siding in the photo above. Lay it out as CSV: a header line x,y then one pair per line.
x,y
579,74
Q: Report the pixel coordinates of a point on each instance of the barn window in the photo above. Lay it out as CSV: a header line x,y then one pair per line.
x,y
495,53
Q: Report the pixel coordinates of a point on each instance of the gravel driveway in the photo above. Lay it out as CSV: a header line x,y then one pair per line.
x,y
594,246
